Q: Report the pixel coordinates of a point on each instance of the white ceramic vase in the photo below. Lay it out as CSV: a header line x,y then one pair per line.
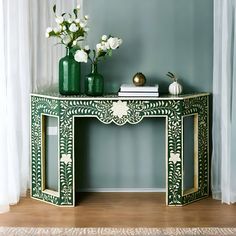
x,y
175,88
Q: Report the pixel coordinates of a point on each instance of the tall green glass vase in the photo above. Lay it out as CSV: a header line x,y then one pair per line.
x,y
69,74
94,82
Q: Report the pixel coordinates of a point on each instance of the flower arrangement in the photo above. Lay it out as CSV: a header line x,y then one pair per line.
x,y
103,48
70,29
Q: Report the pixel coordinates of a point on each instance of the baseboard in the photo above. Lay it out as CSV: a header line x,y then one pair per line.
x,y
128,190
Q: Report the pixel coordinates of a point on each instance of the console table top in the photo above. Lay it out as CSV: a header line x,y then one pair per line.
x,y
56,95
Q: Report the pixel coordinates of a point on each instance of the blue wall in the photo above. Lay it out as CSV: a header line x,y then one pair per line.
x,y
159,36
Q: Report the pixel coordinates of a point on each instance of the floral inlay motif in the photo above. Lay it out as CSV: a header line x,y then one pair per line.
x,y
66,158
120,109
174,157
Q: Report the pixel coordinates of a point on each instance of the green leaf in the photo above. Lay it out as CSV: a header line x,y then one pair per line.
x,y
171,75
54,8
75,12
109,53
102,54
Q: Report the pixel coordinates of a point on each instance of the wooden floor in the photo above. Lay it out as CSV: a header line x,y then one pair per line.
x,y
121,210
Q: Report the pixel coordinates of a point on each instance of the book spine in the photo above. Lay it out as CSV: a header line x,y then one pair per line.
x,y
139,89
139,94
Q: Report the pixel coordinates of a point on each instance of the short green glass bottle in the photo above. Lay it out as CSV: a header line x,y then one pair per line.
x,y
94,82
69,74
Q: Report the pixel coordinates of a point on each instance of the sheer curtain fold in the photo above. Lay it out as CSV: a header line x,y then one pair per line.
x,y
28,61
224,94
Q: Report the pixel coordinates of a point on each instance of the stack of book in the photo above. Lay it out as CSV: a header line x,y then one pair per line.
x,y
129,90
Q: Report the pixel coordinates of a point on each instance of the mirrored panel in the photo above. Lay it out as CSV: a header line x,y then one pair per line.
x,y
50,156
190,154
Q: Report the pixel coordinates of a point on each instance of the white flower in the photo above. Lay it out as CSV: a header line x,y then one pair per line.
x,y
83,24
49,30
66,39
78,7
120,109
59,19
70,20
77,21
103,47
107,45
104,38
86,47
98,46
58,29
81,56
74,42
86,17
113,42
73,27
174,157
80,38
66,158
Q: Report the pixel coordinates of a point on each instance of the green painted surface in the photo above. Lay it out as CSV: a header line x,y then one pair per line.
x,y
120,112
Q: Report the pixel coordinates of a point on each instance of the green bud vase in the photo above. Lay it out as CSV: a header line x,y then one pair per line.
x,y
69,74
94,82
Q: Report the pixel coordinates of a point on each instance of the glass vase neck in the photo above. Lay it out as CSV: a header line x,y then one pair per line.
x,y
69,52
94,68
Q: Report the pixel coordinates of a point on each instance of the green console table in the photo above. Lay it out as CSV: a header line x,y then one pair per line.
x,y
120,110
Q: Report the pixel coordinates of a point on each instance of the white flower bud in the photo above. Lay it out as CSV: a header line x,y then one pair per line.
x,y
98,46
59,20
83,24
73,27
47,35
104,38
70,20
49,30
78,7
86,17
86,47
77,21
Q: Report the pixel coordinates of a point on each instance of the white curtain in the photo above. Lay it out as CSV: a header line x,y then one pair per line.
x,y
28,61
224,102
